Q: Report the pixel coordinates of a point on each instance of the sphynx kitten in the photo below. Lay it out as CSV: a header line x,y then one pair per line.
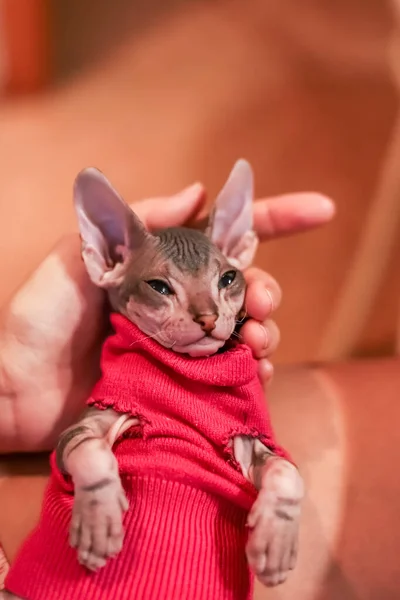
x,y
183,289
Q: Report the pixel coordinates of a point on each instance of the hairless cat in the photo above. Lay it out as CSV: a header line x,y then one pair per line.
x,y
172,484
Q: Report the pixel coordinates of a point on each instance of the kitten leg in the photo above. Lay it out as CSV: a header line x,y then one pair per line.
x,y
275,515
84,451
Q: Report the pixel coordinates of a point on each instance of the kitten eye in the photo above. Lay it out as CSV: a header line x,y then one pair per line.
x,y
160,286
226,279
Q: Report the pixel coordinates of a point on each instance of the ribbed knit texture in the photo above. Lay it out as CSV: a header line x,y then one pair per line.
x,y
188,500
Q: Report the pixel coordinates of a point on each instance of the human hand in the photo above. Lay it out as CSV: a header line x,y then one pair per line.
x,y
52,330
276,217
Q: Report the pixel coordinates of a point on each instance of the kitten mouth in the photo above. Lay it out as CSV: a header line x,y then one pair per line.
x,y
209,337
206,340
217,338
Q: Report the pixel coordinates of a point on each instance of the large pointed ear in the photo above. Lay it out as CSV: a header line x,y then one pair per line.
x,y
231,222
109,229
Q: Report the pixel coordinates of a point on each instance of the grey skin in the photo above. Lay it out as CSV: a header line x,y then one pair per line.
x,y
185,289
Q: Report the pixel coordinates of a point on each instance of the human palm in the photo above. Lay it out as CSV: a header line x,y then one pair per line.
x,y
51,331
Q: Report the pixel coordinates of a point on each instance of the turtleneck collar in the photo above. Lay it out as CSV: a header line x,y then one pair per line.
x,y
235,366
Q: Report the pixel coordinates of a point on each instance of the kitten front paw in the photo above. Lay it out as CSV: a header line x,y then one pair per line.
x,y
274,523
96,527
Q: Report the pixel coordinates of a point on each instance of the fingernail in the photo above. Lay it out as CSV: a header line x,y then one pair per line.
x,y
266,371
195,188
327,206
265,344
270,299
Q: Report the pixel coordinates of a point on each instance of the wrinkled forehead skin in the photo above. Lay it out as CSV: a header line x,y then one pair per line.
x,y
188,250
183,256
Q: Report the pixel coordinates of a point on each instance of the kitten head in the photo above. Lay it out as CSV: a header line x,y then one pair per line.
x,y
180,286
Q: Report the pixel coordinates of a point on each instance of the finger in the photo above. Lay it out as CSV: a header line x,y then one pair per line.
x,y
176,210
291,213
263,294
286,214
263,338
256,274
265,371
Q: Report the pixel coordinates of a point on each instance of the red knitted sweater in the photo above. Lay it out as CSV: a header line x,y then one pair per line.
x,y
185,527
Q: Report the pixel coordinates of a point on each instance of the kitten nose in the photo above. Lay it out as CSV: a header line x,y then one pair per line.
x,y
206,322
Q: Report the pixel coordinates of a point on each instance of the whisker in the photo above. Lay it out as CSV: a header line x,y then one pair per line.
x,y
146,337
243,318
242,321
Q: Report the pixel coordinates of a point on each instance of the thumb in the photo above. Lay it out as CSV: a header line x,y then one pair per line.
x,y
171,211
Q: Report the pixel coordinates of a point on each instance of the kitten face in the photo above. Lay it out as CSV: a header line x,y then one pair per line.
x,y
181,287
181,290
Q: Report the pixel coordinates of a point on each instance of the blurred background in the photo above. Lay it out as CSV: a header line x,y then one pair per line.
x,y
161,93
